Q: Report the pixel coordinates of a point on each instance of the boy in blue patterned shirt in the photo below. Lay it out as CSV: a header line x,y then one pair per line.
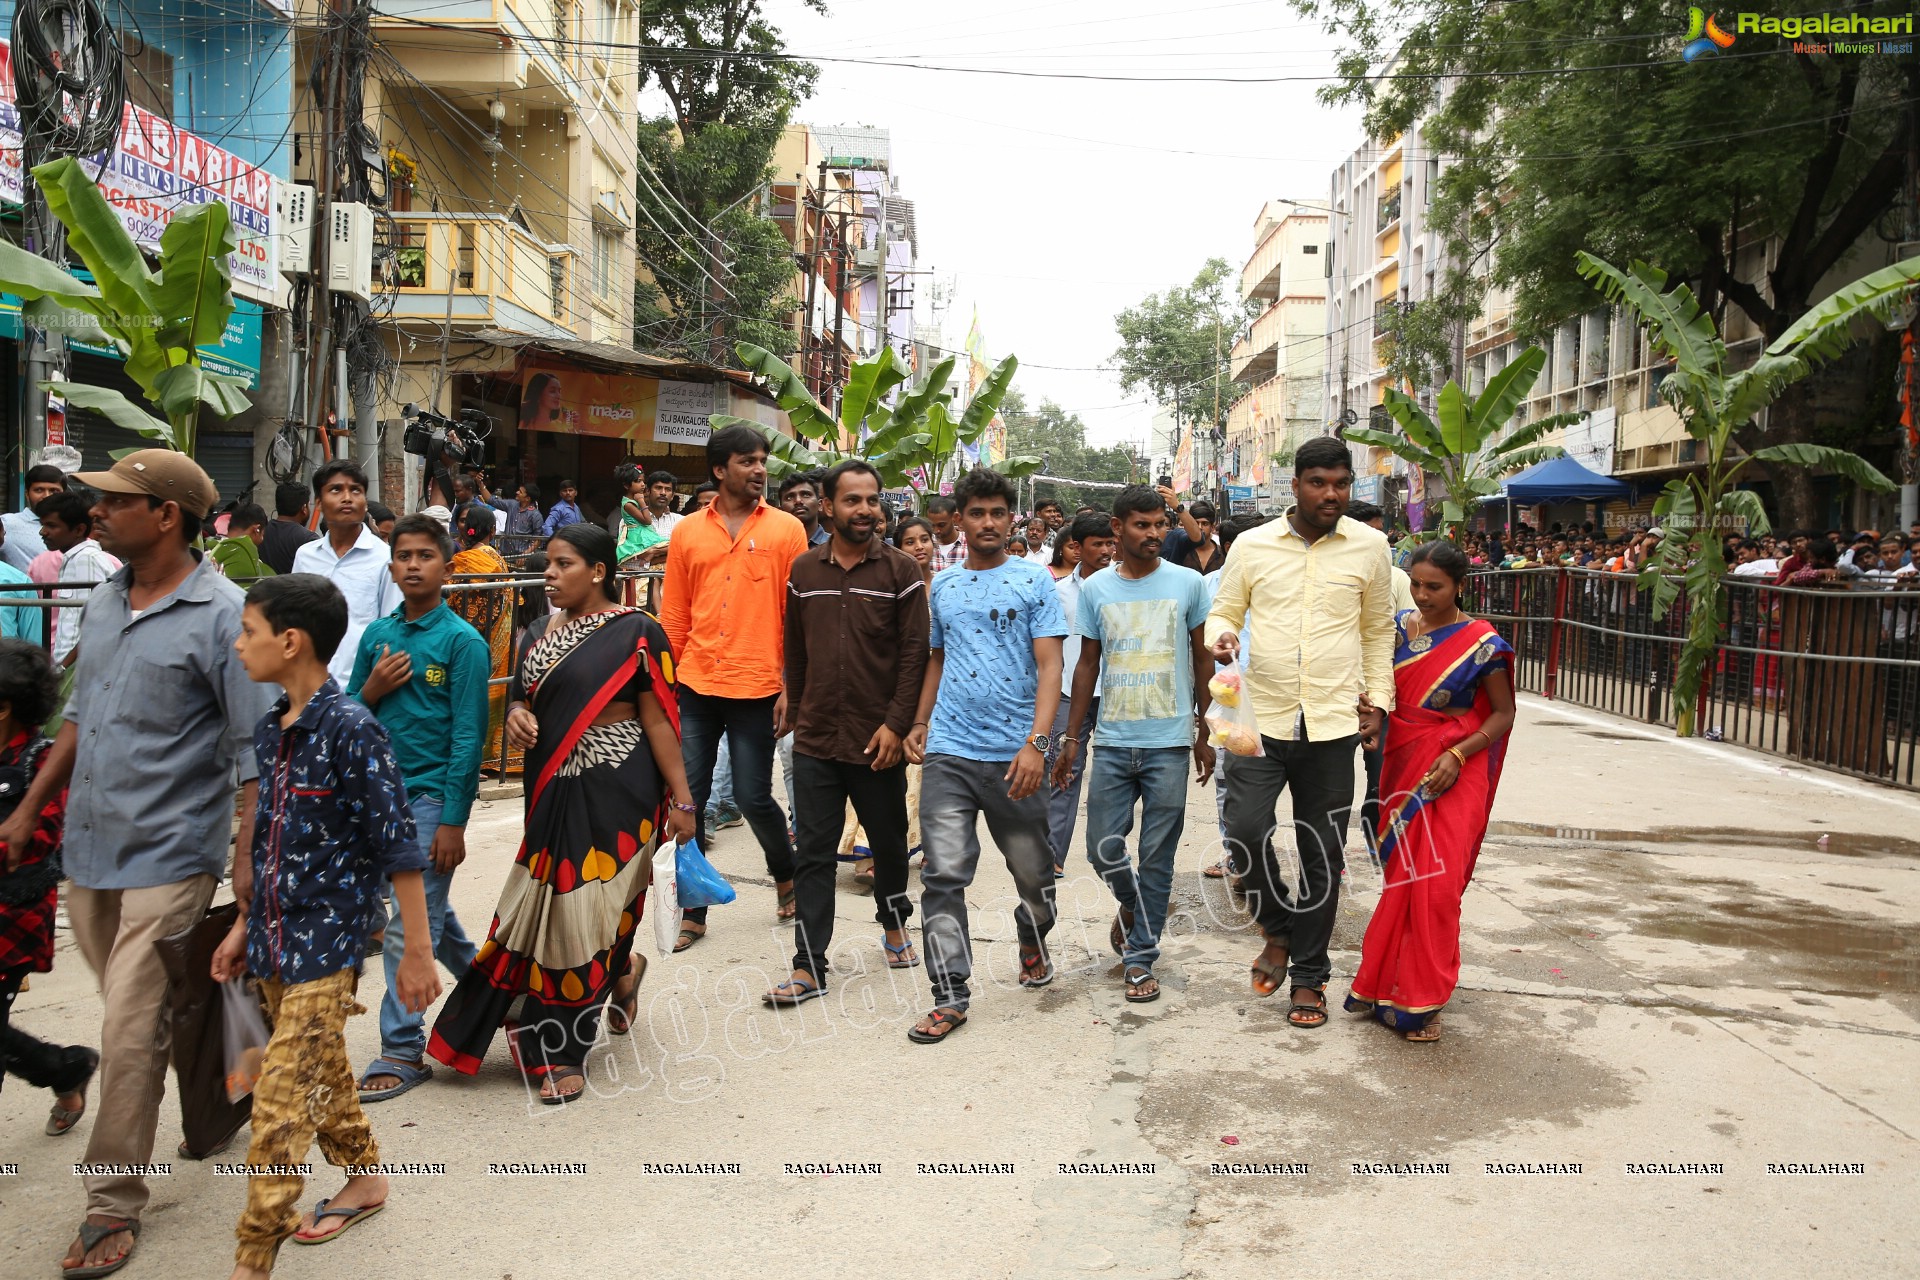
x,y
332,821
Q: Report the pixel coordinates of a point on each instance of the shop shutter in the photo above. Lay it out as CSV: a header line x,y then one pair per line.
x,y
228,459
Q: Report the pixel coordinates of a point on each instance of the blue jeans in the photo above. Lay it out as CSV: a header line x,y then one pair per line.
x,y
722,796
747,726
403,1034
1156,779
1063,807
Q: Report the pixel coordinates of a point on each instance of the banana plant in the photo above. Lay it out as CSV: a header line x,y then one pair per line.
x,y
908,443
1715,403
1464,447
159,319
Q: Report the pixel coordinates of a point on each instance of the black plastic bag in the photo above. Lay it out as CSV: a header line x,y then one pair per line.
x,y
207,1118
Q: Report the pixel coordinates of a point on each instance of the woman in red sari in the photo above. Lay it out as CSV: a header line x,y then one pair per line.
x,y
592,703
1446,742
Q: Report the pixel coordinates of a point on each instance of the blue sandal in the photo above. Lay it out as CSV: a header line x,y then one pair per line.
x,y
408,1074
792,992
352,1214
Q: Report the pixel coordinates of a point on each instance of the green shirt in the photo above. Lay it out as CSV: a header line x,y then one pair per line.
x,y
438,718
239,558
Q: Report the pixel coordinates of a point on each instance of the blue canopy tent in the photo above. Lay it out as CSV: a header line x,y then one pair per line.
x,y
1561,480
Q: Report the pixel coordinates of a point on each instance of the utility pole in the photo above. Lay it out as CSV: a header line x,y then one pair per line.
x,y
839,301
69,89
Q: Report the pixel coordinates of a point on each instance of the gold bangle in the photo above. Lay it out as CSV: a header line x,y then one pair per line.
x,y
1455,753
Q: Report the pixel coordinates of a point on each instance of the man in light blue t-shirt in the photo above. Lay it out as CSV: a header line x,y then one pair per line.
x,y
988,699
1144,617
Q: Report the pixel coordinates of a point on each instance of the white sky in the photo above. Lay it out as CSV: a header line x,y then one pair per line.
x,y
1053,204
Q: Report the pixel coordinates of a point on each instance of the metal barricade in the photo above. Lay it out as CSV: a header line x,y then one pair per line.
x,y
1827,677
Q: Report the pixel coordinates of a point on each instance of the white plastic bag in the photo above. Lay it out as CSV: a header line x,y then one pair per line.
x,y
663,899
1230,721
244,1031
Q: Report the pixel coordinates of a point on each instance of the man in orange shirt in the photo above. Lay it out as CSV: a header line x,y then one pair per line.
x,y
724,607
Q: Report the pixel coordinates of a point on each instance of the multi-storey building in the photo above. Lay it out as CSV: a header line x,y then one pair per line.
x,y
206,114
1282,351
1384,254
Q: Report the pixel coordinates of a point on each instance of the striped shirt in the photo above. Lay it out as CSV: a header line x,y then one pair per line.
x,y
856,648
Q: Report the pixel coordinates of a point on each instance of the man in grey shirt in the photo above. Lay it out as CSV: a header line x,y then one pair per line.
x,y
158,730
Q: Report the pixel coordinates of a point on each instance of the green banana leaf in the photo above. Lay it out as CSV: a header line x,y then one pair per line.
x,y
868,382
31,276
194,295
1020,467
986,399
77,324
1852,466
184,388
116,408
914,402
96,234
808,416
1672,317
1505,390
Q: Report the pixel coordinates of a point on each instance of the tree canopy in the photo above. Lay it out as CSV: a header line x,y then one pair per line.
x,y
1580,127
703,168
1050,432
1176,344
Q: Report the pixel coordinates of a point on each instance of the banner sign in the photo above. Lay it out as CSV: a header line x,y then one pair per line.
x,y
154,171
680,416
633,407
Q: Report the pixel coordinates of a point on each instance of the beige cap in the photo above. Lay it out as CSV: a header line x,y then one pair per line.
x,y
159,473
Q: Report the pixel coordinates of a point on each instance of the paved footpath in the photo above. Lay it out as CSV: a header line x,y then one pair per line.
x,y
1676,954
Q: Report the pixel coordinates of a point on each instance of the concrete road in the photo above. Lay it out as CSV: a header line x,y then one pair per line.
x,y
1677,954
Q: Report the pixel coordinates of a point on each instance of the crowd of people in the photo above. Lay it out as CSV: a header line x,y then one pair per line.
x,y
1862,560
910,674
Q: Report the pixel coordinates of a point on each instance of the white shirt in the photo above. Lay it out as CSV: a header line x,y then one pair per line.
x,y
1044,558
23,539
1757,569
364,578
663,525
1068,589
85,563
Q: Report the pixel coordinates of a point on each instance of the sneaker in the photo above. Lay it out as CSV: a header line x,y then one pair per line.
x,y
724,818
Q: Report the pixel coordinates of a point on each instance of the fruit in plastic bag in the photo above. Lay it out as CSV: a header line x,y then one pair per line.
x,y
1242,741
1225,688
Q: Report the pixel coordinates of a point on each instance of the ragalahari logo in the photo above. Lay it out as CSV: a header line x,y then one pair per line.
x,y
1704,35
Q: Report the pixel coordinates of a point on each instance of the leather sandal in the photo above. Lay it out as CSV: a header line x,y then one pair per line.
x,y
91,1234
1304,1014
59,1119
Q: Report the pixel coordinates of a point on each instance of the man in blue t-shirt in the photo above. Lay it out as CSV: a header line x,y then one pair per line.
x,y
1145,618
991,688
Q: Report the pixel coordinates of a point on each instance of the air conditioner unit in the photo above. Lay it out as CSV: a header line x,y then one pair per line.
x,y
293,204
350,250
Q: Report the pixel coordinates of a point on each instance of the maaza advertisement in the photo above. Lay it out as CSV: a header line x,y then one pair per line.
x,y
628,406
156,169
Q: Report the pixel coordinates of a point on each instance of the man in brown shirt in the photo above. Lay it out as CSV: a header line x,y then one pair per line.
x,y
856,632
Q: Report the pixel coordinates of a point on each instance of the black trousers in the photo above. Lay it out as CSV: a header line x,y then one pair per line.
x,y
821,792
1370,811
1319,778
42,1065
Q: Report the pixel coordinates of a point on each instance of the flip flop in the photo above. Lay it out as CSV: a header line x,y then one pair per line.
x,y
951,1019
352,1214
781,910
1035,970
622,1014
1117,936
799,991
900,957
92,1234
687,938
408,1074
1137,978
59,1119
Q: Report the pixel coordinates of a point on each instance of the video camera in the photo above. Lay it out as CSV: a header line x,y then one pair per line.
x,y
443,444
443,441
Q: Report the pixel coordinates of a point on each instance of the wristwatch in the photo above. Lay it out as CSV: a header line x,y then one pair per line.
x,y
1040,742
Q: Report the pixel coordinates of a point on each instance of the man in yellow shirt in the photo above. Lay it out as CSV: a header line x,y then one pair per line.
x,y
1315,591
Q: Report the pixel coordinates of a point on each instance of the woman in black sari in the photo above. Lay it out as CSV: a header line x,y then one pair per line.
x,y
592,703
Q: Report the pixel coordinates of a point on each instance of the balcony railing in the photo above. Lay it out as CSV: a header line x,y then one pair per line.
x,y
1389,211
484,271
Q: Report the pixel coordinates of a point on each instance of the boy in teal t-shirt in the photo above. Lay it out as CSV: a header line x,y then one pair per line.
x,y
424,671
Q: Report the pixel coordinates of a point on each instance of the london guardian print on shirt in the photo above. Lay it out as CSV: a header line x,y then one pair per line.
x,y
1139,651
